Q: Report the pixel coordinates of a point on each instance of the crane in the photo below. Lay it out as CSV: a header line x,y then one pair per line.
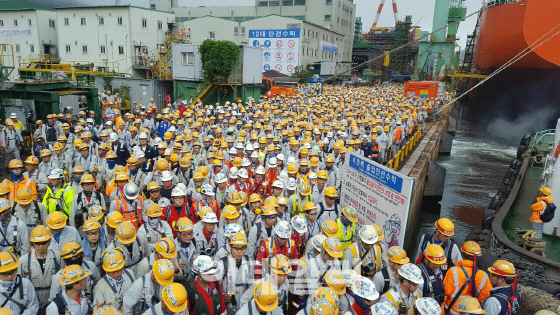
x,y
395,12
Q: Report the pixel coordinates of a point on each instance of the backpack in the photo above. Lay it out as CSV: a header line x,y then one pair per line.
x,y
548,213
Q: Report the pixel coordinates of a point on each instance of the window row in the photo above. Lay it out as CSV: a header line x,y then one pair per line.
x,y
102,49
29,23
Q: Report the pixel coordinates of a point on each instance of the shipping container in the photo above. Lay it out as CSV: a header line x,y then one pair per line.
x,y
423,89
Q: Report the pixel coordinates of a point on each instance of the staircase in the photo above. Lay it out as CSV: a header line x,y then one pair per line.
x,y
466,67
161,70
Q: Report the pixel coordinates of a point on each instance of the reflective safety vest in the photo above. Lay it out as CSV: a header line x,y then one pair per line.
x,y
396,300
458,275
61,201
345,238
132,215
24,182
297,205
398,134
359,257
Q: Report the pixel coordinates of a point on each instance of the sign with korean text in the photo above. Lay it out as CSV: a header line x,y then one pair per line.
x,y
379,194
15,32
326,46
280,48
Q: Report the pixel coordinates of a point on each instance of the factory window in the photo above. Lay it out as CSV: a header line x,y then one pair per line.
x,y
328,2
263,3
299,2
274,3
152,6
32,48
159,25
212,35
101,20
102,49
288,3
51,23
15,22
83,21
84,49
144,23
121,50
1,22
327,17
17,48
235,30
68,48
338,20
187,58
119,20
29,22
66,21
242,30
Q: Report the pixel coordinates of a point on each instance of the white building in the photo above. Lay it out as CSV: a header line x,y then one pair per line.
x,y
318,16
111,33
29,29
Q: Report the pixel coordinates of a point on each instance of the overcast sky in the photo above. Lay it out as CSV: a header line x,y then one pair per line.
x,y
422,12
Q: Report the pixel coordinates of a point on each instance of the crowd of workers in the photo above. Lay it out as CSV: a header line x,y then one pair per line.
x,y
225,209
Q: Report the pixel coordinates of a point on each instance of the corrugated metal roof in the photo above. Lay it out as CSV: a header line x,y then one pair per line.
x,y
19,5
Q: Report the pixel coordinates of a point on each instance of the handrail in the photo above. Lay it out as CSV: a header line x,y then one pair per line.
x,y
405,150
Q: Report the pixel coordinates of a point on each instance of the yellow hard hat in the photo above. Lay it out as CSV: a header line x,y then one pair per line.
x,y
152,186
163,271
167,135
72,274
380,235
40,234
132,160
126,232
397,255
105,310
333,247
336,282
87,178
546,191
96,212
110,155
153,210
185,161
91,224
43,153
350,213
445,227
166,248
309,205
121,177
304,162
304,189
114,218
6,311
183,225
255,198
162,165
8,262
331,192
32,160
266,296
234,198
56,220
435,254
198,176
15,163
280,264
238,238
323,307
204,170
77,169
315,162
330,228
471,248
467,305
503,268
70,249
230,212
326,294
113,260
24,196
174,296
268,209
292,168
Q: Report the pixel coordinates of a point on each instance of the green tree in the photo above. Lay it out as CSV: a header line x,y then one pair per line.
x,y
219,58
302,73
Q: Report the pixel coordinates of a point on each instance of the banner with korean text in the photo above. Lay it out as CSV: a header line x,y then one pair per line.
x,y
379,194
280,48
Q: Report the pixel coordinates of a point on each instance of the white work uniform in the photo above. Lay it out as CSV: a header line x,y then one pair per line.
x,y
156,310
255,240
11,140
202,242
93,278
81,204
245,309
153,234
325,213
40,181
334,179
25,295
186,254
139,251
141,295
15,235
72,306
282,293
111,291
379,280
68,234
315,270
29,267
236,281
35,215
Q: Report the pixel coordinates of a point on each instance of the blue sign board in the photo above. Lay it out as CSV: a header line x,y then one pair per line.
x,y
273,34
376,173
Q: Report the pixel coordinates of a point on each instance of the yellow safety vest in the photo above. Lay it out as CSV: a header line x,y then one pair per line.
x,y
375,253
345,240
395,299
297,205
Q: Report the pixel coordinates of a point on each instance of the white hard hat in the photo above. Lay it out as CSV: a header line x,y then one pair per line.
x,y
167,152
312,175
209,217
245,162
291,160
56,174
232,151
365,288
282,200
278,184
259,170
243,173
182,186
157,141
204,265
272,162
307,145
166,176
318,240
299,223
207,189
349,274
233,172
412,273
384,308
232,228
249,147
283,176
142,135
131,191
13,115
220,178
398,123
280,157
255,155
177,192
89,120
139,154
428,306
113,137
329,134
291,184
108,122
368,234
282,229
239,145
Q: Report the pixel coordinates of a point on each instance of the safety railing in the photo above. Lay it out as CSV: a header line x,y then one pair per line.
x,y
405,150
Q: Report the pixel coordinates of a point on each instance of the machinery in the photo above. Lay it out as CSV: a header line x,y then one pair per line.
x,y
279,86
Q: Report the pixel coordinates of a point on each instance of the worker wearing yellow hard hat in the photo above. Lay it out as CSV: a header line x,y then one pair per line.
x,y
503,277
444,230
14,285
74,281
